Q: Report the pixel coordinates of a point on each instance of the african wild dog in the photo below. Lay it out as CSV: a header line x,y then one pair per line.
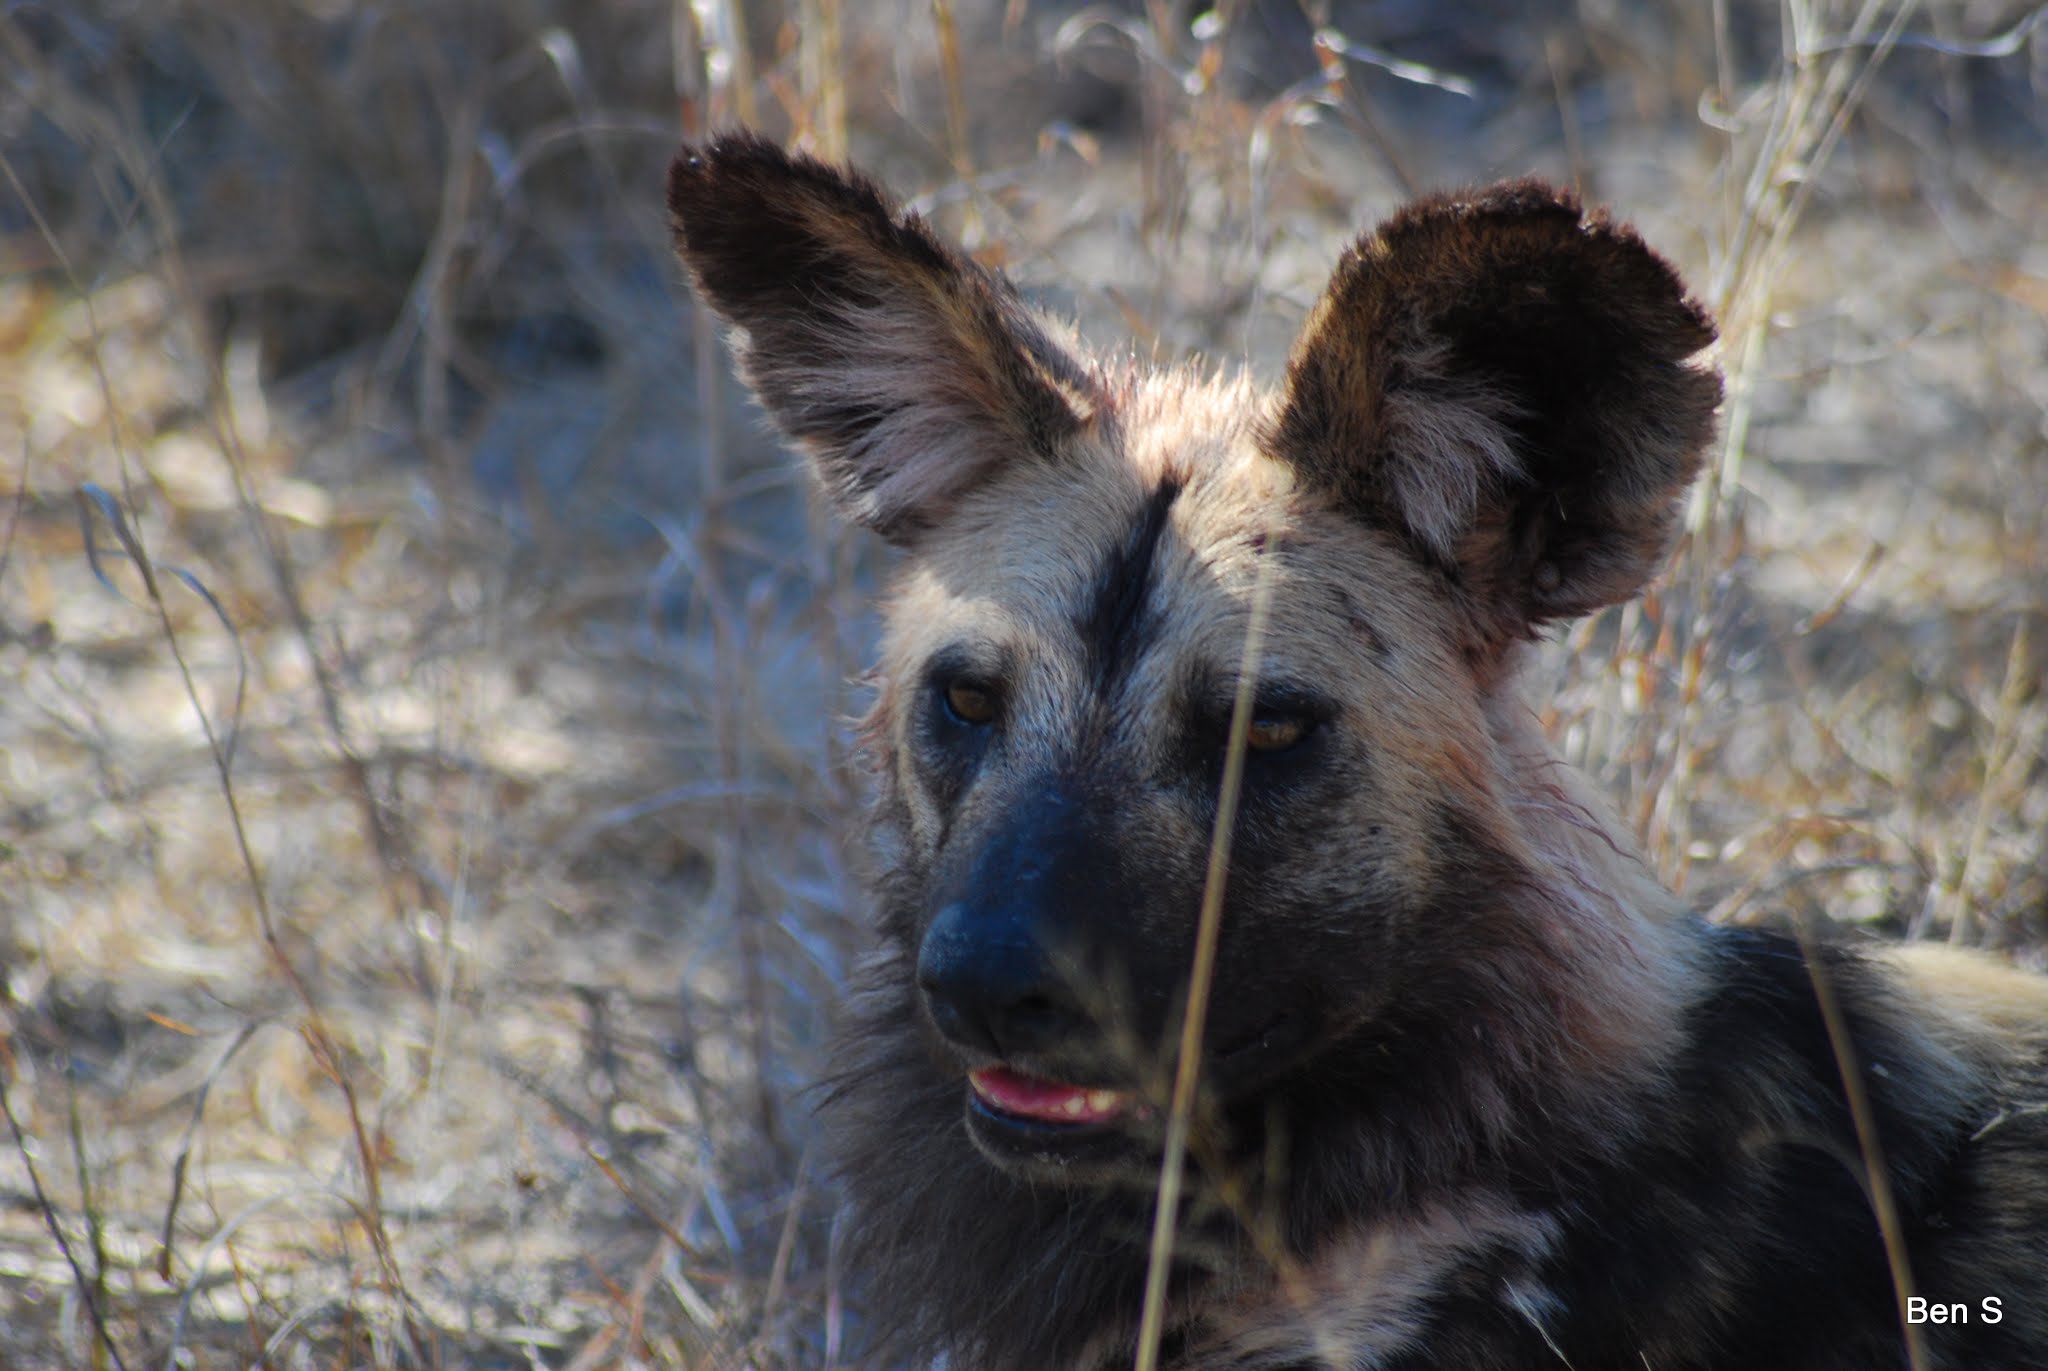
x,y
1478,1094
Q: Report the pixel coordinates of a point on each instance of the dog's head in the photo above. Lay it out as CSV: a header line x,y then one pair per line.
x,y
1486,427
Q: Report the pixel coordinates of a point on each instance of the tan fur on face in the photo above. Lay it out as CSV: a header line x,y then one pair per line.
x,y
1352,613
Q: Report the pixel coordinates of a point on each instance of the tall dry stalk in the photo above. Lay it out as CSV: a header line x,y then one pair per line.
x,y
1817,91
1187,1066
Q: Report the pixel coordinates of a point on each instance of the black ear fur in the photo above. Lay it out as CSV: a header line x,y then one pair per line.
x,y
1506,381
903,368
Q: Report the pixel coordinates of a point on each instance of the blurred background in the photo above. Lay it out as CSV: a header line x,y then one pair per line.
x,y
425,800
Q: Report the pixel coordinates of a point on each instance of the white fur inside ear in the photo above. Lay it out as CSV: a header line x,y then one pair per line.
x,y
1449,442
920,411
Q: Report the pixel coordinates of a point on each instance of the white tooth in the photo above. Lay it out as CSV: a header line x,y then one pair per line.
x,y
1102,1101
1073,1105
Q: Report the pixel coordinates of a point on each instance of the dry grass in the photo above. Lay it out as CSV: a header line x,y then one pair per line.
x,y
422,776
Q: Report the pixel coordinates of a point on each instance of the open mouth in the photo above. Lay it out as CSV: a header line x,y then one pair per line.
x,y
1013,1096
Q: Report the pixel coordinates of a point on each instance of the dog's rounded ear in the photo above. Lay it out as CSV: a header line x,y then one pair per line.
x,y
1506,382
903,369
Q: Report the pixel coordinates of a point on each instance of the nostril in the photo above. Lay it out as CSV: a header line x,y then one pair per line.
x,y
1034,1009
992,987
1004,1024
1002,1020
1034,1022
958,1022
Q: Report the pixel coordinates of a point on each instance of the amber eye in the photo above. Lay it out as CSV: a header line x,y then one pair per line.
x,y
1274,733
970,704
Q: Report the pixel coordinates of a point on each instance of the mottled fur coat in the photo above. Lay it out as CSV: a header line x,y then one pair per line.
x,y
1477,1093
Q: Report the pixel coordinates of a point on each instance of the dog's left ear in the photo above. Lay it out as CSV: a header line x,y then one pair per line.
x,y
1504,381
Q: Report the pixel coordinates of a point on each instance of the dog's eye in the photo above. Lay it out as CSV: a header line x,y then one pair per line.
x,y
969,704
1275,732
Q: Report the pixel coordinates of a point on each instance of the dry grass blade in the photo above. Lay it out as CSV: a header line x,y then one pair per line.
x,y
1396,66
1876,1179
90,499
167,1242
1187,1068
222,1240
14,510
824,74
91,1288
1953,895
957,147
2003,44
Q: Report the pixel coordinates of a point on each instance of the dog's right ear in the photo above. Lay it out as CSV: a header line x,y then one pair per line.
x,y
907,372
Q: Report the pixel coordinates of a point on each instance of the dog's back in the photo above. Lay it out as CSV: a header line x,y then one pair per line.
x,y
1738,1228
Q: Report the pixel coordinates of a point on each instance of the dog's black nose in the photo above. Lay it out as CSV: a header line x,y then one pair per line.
x,y
1001,963
990,986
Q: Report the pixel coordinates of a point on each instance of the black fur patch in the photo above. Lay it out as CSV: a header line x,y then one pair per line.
x,y
1740,1232
1113,630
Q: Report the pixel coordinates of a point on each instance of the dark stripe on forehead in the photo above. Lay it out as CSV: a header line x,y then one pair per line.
x,y
1113,626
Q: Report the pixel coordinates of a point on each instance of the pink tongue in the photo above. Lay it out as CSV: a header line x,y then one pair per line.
x,y
1030,1098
